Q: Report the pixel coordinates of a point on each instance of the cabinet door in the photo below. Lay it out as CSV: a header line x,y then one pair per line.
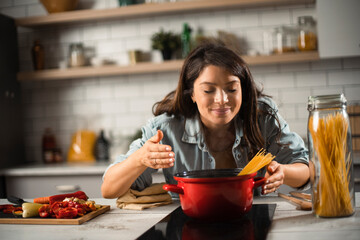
x,y
11,125
338,28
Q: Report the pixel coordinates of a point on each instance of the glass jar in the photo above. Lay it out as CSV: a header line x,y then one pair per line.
x,y
307,39
284,39
331,165
76,55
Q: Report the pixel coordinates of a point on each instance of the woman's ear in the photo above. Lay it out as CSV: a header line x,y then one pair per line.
x,y
193,98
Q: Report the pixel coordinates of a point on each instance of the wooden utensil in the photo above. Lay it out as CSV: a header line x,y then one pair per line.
x,y
305,196
303,205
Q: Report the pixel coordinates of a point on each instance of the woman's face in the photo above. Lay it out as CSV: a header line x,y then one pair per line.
x,y
218,96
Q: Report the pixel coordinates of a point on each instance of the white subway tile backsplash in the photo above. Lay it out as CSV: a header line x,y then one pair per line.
x,y
33,111
42,96
6,3
123,29
275,17
111,107
70,35
304,79
352,93
87,108
213,22
36,10
96,32
295,96
295,67
241,19
327,90
14,12
22,2
279,81
110,47
344,77
57,109
351,63
326,64
141,105
94,92
70,94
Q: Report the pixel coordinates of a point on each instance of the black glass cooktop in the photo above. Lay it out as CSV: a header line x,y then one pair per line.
x,y
252,226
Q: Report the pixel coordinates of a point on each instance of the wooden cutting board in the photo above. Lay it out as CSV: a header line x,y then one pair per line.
x,y
55,221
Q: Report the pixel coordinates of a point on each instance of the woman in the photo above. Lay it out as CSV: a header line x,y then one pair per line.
x,y
216,118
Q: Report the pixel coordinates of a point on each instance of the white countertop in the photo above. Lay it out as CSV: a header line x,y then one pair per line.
x,y
86,168
288,223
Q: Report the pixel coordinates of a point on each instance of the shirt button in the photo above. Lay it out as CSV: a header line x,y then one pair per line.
x,y
210,160
238,156
237,141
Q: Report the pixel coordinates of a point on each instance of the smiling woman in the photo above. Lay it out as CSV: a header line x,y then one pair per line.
x,y
216,118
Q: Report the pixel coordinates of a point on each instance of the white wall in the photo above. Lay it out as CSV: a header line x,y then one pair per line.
x,y
123,103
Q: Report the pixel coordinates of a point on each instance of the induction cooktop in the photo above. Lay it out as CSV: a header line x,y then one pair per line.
x,y
252,226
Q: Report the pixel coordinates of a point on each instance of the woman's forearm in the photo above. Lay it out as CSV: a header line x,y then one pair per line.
x,y
296,175
119,177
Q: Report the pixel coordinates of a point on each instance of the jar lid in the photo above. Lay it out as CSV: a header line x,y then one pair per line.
x,y
326,101
305,20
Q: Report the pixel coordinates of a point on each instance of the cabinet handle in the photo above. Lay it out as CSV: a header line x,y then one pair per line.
x,y
67,188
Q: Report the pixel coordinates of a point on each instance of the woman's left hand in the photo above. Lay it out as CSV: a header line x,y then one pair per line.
x,y
274,177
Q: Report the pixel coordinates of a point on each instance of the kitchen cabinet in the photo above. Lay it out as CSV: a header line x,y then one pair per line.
x,y
147,10
338,28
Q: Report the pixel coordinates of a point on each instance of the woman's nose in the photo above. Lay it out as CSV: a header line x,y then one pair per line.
x,y
221,97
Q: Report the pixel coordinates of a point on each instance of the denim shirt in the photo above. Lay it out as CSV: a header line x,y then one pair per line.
x,y
191,152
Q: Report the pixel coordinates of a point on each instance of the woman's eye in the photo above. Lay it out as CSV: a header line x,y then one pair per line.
x,y
208,91
232,90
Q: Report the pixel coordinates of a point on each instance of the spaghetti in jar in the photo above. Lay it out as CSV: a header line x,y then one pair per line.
x,y
331,165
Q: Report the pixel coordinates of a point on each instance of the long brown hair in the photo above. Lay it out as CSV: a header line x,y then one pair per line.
x,y
179,102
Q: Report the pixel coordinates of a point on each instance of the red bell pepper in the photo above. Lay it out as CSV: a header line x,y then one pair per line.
x,y
61,197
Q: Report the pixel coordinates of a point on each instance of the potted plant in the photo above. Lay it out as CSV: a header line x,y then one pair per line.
x,y
166,42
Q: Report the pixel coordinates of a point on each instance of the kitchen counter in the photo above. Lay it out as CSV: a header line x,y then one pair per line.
x,y
288,223
85,168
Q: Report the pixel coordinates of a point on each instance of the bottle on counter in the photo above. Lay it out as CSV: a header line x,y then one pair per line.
x,y
185,40
37,53
331,158
102,148
48,146
307,39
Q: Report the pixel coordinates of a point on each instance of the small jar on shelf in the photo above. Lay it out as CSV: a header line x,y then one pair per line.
x,y
76,55
284,40
307,37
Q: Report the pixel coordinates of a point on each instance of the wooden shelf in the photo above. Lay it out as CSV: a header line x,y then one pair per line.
x,y
148,10
143,68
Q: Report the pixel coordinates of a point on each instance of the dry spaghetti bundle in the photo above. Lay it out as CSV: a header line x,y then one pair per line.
x,y
331,195
257,162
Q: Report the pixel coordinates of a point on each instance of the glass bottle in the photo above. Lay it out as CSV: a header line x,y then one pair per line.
x,y
37,53
307,39
48,146
102,148
185,40
331,165
285,39
76,55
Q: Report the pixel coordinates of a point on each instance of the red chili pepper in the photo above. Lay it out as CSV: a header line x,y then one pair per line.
x,y
68,212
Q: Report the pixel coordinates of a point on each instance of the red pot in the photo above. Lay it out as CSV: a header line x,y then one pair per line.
x,y
217,194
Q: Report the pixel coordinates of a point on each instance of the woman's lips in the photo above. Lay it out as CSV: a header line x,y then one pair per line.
x,y
221,111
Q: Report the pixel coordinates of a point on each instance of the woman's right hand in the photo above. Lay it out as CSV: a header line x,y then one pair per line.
x,y
156,155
